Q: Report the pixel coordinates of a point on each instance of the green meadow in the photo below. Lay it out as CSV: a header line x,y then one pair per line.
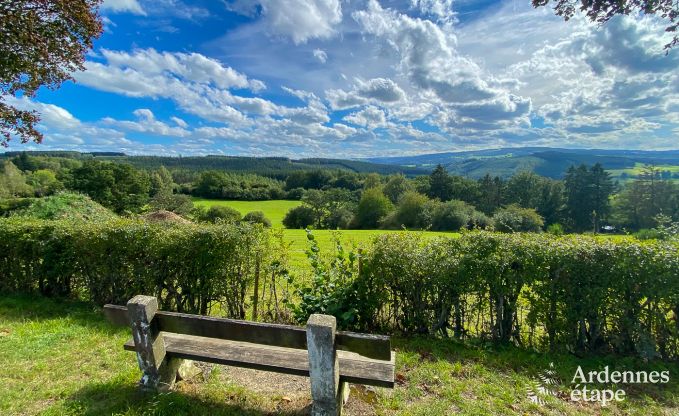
x,y
296,240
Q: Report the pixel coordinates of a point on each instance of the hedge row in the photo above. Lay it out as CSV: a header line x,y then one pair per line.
x,y
188,267
576,293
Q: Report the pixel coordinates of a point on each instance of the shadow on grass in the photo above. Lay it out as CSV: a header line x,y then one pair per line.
x,y
507,359
33,307
120,397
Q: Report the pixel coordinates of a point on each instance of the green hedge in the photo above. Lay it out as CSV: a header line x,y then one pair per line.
x,y
582,294
190,268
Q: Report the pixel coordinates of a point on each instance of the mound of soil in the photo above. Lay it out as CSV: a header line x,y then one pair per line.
x,y
163,216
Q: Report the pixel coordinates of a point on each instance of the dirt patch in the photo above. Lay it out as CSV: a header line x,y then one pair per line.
x,y
292,392
165,217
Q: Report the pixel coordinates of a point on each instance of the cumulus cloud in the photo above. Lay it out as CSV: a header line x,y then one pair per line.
x,y
123,6
197,84
147,123
299,20
440,9
376,90
370,117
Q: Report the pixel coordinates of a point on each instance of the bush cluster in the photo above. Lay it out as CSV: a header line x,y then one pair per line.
x,y
190,268
577,293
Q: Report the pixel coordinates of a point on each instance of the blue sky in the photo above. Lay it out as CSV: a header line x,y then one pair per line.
x,y
353,78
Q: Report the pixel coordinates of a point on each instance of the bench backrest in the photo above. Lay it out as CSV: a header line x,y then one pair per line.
x,y
370,346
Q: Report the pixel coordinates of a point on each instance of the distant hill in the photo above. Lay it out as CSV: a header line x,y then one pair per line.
x,y
550,162
271,166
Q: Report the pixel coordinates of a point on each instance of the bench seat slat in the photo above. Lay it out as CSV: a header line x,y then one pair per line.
x,y
368,345
354,368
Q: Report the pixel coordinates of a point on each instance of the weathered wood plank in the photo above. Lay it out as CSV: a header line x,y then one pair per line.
x,y
288,336
353,367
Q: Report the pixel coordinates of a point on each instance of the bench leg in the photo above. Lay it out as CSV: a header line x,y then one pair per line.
x,y
326,390
158,371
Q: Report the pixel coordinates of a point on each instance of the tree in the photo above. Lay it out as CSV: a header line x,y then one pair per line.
x,y
167,201
13,181
409,210
396,186
440,184
257,217
451,215
41,43
218,213
514,219
117,186
373,180
601,11
587,192
299,217
491,194
372,208
44,182
161,181
645,198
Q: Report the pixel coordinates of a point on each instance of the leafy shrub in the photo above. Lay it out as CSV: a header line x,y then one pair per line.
x,y
514,219
295,194
409,211
555,229
66,205
648,234
571,293
217,213
167,201
339,218
190,268
257,217
299,217
451,215
331,289
372,208
9,205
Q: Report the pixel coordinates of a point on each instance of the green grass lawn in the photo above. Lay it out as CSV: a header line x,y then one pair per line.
x,y
274,210
61,357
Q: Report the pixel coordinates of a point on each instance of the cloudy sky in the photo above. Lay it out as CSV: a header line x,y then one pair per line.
x,y
352,78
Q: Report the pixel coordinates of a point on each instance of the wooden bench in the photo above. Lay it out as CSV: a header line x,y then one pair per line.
x,y
162,340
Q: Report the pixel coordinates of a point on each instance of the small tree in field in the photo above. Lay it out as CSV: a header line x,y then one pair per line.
x,y
372,208
41,43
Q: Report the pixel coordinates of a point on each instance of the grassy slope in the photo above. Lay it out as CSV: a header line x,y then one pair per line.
x,y
61,358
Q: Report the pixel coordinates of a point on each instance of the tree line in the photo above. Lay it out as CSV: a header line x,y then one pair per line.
x,y
585,200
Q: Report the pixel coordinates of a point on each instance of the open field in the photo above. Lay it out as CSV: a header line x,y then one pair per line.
x,y
62,358
274,210
632,173
297,239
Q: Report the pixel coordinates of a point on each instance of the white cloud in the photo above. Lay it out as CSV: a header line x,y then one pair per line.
x,y
51,115
377,91
123,6
441,9
147,123
178,121
320,55
370,117
299,20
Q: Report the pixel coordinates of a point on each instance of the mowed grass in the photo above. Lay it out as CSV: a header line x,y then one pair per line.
x,y
297,239
60,357
274,210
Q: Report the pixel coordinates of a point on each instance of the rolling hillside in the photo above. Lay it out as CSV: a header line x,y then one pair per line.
x,y
550,162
